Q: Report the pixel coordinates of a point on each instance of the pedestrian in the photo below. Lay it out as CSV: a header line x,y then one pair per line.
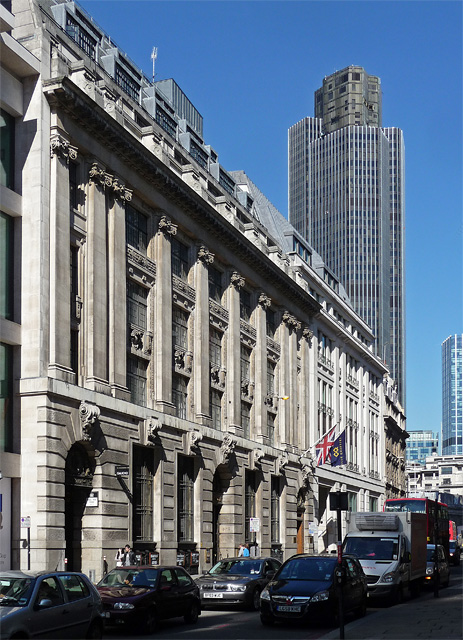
x,y
119,557
245,553
128,557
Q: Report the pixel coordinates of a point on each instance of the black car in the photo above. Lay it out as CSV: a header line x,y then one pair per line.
x,y
237,581
455,553
141,596
305,588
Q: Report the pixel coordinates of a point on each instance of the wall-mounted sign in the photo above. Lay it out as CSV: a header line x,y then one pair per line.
x,y
92,500
26,522
254,524
122,472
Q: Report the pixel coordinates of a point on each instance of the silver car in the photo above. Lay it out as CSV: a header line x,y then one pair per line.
x,y
237,581
442,565
60,604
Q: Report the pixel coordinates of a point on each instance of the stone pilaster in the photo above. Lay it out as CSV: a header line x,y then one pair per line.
x,y
60,242
118,195
305,390
233,354
288,378
163,316
260,369
201,336
96,303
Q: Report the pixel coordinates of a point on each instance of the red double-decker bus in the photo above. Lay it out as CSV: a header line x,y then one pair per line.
x,y
430,508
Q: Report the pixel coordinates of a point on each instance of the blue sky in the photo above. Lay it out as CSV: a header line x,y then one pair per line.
x,y
251,68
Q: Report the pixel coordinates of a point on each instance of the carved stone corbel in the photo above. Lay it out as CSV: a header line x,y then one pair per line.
x,y
152,428
226,449
88,414
97,174
281,463
307,334
291,321
264,301
191,442
236,280
167,227
308,469
60,146
255,459
205,256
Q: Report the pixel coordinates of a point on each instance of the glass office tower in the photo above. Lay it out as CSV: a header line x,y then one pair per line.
x,y
452,396
347,198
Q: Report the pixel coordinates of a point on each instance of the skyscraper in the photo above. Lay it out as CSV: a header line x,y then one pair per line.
x,y
347,198
452,395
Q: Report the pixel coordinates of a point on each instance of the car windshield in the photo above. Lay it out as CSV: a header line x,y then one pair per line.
x,y
431,554
372,548
129,577
320,569
237,567
15,591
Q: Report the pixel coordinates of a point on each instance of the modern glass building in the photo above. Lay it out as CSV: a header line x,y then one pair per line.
x,y
421,445
347,198
452,395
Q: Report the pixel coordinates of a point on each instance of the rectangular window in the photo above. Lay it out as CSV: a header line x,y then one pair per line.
x,y
136,229
246,419
143,472
137,304
179,396
185,499
127,83
216,408
6,397
6,266
80,36
136,379
245,363
180,265
271,428
215,285
75,309
215,347
270,323
373,506
245,305
6,149
352,501
275,510
270,378
179,328
250,492
73,185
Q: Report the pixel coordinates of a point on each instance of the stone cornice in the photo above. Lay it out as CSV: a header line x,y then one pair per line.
x,y
63,94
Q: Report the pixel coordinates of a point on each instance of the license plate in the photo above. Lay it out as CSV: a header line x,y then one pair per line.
x,y
289,609
212,595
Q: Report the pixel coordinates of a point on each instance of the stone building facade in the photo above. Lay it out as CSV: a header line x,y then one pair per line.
x,y
176,361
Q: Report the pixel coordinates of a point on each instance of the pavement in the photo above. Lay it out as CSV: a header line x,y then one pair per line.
x,y
438,618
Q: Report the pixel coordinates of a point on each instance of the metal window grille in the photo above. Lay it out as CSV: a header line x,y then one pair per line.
x,y
185,499
143,494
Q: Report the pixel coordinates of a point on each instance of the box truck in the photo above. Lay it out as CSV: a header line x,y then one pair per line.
x,y
391,548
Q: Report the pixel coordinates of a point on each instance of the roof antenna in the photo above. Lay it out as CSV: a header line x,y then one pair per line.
x,y
154,55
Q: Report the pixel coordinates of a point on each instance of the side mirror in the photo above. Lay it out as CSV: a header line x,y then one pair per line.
x,y
44,603
269,574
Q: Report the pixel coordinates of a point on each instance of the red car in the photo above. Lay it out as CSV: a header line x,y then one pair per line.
x,y
141,596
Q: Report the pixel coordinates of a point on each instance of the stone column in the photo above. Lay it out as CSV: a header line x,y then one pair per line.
x,y
118,195
303,440
163,316
201,337
233,354
60,242
96,304
288,378
260,369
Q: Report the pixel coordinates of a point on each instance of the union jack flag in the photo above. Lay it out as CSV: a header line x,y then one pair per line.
x,y
323,446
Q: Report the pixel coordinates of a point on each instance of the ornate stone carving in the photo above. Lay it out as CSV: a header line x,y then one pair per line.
x,y
218,375
60,146
264,301
152,428
247,389
183,360
236,280
308,468
88,414
205,255
167,227
307,334
290,321
97,174
192,440
255,459
281,463
116,188
227,447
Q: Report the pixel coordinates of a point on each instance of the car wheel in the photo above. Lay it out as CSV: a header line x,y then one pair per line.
x,y
95,631
192,616
151,621
255,603
267,621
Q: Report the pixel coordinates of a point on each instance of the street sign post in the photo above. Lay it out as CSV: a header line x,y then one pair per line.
x,y
26,524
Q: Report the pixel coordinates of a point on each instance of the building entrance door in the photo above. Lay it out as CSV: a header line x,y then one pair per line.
x,y
79,471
